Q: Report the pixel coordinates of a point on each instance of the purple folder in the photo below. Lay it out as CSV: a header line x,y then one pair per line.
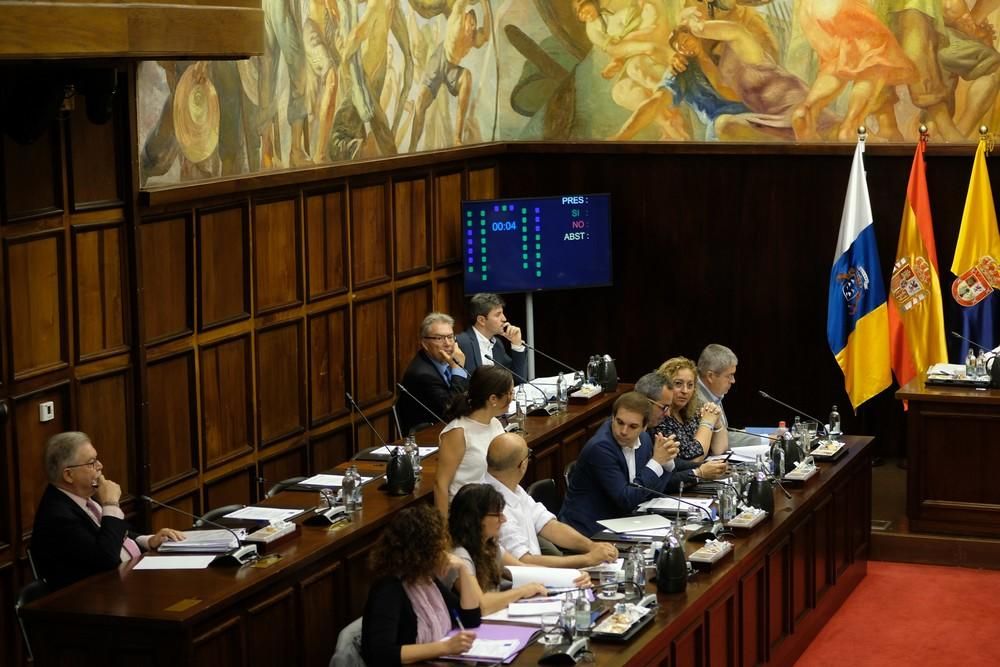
x,y
525,634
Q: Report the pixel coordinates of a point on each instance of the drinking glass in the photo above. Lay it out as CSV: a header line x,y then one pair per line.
x,y
812,429
551,629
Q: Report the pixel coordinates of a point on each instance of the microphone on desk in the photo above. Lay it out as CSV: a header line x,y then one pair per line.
x,y
700,536
572,370
991,367
543,410
822,426
241,555
421,404
970,341
758,435
399,477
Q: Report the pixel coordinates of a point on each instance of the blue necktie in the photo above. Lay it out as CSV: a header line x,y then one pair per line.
x,y
447,374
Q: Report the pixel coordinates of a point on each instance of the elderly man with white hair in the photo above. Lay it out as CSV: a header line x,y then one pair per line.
x,y
716,376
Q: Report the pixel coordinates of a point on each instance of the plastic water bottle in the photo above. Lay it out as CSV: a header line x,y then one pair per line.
x,y
521,405
413,451
582,609
981,364
358,490
567,617
348,487
592,370
639,571
835,421
970,364
561,392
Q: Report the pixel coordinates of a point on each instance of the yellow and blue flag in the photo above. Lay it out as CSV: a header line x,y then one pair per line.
x,y
857,322
977,261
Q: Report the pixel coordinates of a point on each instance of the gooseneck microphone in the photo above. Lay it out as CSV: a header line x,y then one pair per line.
x,y
420,403
355,406
758,435
241,555
572,370
538,411
970,341
709,518
822,426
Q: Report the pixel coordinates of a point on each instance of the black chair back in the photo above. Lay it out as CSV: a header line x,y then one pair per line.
x,y
568,471
545,492
216,514
33,591
282,485
31,562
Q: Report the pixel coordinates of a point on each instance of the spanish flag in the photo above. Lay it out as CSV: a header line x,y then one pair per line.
x,y
857,322
977,260
916,317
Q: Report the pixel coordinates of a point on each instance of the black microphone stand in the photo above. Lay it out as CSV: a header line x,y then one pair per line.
x,y
420,403
545,410
241,555
821,425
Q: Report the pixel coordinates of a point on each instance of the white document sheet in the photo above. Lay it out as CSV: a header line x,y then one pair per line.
x,y
550,577
674,505
269,514
329,481
385,451
173,562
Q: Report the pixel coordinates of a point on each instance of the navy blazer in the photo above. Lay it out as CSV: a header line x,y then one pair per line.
x,y
424,381
516,361
598,486
67,545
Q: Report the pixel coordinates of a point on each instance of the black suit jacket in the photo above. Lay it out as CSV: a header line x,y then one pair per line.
x,y
517,361
424,381
68,546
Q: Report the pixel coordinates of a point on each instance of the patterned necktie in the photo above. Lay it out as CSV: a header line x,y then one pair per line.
x,y
447,374
128,544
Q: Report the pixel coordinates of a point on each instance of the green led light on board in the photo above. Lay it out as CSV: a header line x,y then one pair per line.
x,y
524,266
538,274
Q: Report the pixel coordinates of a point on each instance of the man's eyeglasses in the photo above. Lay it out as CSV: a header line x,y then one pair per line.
x,y
661,406
92,464
449,338
527,457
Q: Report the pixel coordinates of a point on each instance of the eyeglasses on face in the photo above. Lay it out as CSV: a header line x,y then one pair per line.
x,y
450,338
92,464
496,515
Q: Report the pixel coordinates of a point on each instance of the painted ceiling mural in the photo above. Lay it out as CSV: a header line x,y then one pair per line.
x,y
353,79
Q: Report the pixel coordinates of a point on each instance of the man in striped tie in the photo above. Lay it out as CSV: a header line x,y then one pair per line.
x,y
79,528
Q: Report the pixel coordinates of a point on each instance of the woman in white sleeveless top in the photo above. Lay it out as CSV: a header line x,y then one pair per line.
x,y
473,425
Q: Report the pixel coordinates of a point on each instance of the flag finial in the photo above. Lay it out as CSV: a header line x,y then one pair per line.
x,y
862,133
924,133
984,135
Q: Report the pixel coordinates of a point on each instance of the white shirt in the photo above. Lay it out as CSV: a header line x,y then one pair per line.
x,y
525,519
478,436
629,453
485,348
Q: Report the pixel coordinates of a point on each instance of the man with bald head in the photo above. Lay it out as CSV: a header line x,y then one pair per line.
x,y
79,528
525,519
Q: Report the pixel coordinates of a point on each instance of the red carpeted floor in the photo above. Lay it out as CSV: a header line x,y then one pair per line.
x,y
903,614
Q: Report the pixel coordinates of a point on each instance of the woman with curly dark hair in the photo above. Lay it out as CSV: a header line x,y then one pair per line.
x,y
474,523
408,609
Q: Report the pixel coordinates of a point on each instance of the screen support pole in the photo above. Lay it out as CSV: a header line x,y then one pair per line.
x,y
529,325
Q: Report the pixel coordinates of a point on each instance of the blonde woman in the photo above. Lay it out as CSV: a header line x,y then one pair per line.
x,y
694,422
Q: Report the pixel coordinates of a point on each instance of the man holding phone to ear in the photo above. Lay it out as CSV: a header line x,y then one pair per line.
x,y
486,335
79,528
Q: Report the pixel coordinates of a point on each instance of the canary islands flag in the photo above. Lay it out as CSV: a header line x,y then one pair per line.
x,y
857,325
916,319
976,264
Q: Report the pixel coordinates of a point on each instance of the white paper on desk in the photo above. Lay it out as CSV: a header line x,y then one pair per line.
x,y
216,541
385,451
492,649
534,607
329,481
504,614
746,454
550,577
674,505
269,514
948,371
173,562
613,566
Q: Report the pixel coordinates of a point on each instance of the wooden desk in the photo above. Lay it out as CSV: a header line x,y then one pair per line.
x,y
287,614
951,441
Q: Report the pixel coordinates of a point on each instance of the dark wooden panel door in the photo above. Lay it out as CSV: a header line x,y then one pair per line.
x,y
223,285
326,245
373,361
31,435
171,421
412,305
721,630
412,238
280,382
273,632
802,577
221,645
822,548
99,262
447,218
104,410
37,301
370,244
778,594
753,617
276,255
226,409
94,152
329,364
166,275
320,594
689,646
482,183
330,449
33,176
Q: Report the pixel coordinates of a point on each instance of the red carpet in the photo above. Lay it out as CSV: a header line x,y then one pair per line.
x,y
902,614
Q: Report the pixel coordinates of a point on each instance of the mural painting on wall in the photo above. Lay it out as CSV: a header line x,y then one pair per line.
x,y
353,79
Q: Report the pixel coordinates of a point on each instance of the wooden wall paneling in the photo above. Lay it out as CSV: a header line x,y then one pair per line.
x,y
277,269
483,183
861,517
449,297
688,648
164,518
320,594
329,364
359,576
371,242
281,390
221,645
223,258
802,577
778,595
8,495
289,463
546,463
412,305
722,638
373,355
326,244
270,618
226,400
99,272
412,237
104,412
239,487
330,449
382,421
171,436
753,617
93,152
571,446
36,299
447,218
33,176
29,436
822,549
841,534
166,271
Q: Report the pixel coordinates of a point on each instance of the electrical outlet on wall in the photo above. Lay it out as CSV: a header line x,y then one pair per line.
x,y
46,411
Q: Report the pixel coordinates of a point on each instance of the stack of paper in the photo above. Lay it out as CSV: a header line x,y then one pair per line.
x,y
550,577
496,643
329,481
205,541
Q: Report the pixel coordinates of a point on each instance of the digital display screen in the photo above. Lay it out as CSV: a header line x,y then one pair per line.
x,y
530,244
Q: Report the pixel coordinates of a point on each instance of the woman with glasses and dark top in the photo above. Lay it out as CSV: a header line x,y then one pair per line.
x,y
474,523
472,426
409,610
694,422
